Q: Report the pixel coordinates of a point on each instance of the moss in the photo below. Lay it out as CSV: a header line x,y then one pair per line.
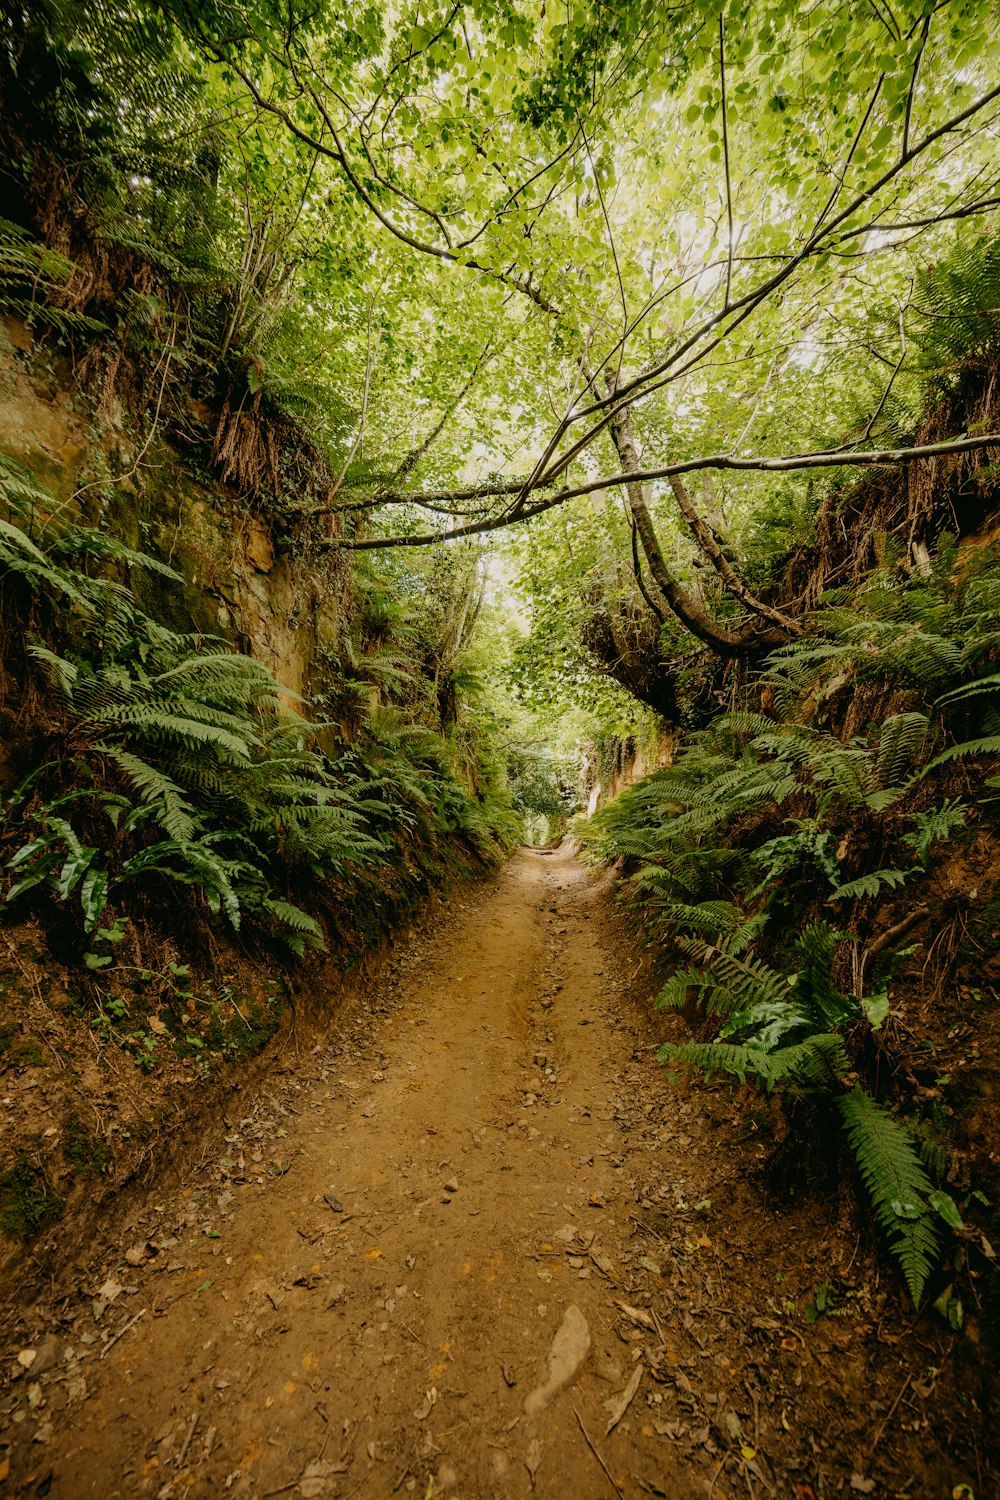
x,y
28,1202
985,929
263,1019
22,1052
84,1152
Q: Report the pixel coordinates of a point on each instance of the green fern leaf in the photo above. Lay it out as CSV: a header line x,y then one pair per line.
x,y
987,746
868,885
897,1184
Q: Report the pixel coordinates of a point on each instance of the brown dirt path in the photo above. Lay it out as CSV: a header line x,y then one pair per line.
x,y
359,1296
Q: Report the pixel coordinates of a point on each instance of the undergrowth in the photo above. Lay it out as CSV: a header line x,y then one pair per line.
x,y
163,761
784,862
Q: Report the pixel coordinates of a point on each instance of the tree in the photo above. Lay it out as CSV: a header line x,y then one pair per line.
x,y
682,199
541,256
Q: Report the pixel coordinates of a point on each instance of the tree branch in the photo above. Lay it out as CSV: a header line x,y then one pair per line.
x,y
725,154
688,610
827,459
913,85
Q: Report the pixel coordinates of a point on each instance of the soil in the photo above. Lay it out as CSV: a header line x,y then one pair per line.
x,y
476,1244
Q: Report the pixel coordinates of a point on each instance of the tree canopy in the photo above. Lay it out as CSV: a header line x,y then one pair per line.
x,y
655,262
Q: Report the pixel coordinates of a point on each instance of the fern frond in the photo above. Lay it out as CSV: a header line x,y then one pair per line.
x,y
980,687
153,724
713,1057
818,1062
813,986
675,994
739,984
990,745
61,673
163,796
296,919
868,885
902,746
897,1184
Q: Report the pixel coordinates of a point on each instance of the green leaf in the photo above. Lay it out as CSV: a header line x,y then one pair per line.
x,y
73,871
897,1184
876,1008
945,1205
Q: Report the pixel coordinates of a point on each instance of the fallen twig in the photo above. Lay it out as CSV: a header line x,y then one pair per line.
x,y
594,1450
885,1419
182,1455
123,1330
715,1476
358,1487
637,1315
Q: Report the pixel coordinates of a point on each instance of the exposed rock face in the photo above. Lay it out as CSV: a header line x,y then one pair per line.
x,y
274,598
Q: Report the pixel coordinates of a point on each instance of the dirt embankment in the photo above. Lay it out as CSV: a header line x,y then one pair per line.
x,y
477,1245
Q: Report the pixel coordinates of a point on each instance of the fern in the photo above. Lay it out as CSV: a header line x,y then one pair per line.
x,y
956,302
20,556
784,1032
896,1182
818,1062
713,1057
812,984
698,835
174,812
989,745
902,744
935,824
213,782
868,885
979,687
677,991
738,984
297,927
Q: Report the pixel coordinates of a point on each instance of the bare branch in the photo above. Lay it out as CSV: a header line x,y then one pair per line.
x,y
725,154
855,143
788,463
913,85
369,365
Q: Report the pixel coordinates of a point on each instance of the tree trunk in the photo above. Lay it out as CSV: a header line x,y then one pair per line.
x,y
688,610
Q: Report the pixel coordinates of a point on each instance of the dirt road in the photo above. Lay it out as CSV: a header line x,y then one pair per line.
x,y
452,1246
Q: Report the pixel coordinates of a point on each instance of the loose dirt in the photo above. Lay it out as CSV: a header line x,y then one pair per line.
x,y
457,1243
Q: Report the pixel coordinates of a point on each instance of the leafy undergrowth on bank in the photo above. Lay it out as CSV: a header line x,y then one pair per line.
x,y
180,850
817,870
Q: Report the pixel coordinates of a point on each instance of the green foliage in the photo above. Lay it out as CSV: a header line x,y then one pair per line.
x,y
897,1184
576,175
787,1032
935,825
539,787
868,885
28,1201
31,277
176,760
956,304
791,798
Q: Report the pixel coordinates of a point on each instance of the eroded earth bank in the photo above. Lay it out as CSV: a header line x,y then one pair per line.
x,y
459,1241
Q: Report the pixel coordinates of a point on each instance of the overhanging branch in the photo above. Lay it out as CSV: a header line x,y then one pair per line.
x,y
783,464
